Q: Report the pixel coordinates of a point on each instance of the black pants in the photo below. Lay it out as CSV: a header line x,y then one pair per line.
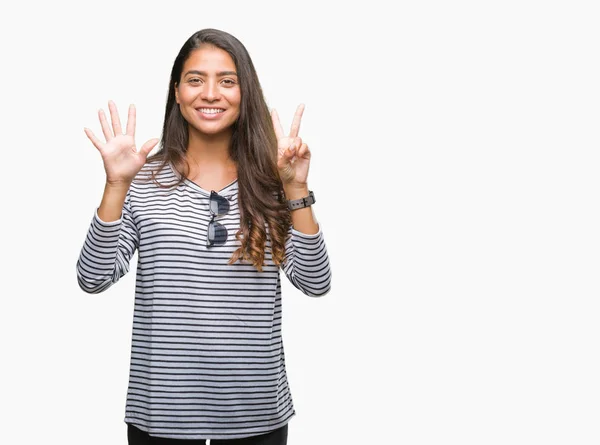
x,y
135,436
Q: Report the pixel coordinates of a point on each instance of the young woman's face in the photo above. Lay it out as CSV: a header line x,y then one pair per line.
x,y
208,92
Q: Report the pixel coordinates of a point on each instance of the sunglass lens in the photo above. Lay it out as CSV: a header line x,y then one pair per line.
x,y
218,204
217,234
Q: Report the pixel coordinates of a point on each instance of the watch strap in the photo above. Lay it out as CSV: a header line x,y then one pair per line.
x,y
307,201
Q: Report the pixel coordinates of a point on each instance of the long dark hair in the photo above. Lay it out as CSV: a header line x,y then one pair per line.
x,y
253,148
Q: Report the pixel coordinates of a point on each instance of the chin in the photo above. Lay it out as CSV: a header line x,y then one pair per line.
x,y
212,130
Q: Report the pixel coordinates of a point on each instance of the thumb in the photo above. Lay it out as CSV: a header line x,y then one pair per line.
x,y
285,158
148,146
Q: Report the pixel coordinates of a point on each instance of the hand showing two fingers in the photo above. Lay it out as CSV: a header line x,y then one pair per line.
x,y
293,158
121,159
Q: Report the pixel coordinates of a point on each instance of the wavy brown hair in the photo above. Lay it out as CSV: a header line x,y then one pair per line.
x,y
253,148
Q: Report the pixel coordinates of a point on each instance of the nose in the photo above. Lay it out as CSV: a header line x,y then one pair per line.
x,y
210,91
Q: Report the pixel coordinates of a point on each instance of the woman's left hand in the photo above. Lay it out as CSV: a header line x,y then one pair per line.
x,y
293,156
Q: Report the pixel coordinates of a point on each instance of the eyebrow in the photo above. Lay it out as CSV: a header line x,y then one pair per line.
x,y
203,73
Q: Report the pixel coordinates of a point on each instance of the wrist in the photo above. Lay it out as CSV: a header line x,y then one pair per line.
x,y
301,203
296,191
117,185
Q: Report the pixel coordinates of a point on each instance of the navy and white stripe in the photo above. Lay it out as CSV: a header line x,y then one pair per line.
x,y
207,358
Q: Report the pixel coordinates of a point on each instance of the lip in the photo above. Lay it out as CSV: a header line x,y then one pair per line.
x,y
211,116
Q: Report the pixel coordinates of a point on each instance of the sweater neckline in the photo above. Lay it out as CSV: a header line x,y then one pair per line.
x,y
228,188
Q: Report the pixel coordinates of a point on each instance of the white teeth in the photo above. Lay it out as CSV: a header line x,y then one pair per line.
x,y
211,110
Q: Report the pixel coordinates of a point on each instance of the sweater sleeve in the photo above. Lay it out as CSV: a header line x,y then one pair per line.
x,y
107,251
307,263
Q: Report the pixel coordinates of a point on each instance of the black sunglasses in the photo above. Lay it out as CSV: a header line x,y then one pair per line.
x,y
217,233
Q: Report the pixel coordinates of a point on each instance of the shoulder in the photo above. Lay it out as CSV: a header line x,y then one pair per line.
x,y
155,167
153,172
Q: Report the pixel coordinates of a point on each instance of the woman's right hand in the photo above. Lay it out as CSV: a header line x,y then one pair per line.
x,y
121,159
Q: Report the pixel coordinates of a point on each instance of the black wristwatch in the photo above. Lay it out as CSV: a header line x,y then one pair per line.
x,y
307,201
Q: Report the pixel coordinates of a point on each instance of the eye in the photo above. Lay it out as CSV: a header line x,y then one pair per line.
x,y
194,80
229,81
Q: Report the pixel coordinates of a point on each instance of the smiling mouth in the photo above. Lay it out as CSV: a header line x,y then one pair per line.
x,y
210,110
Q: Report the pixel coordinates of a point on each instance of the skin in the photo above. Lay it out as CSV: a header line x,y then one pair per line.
x,y
293,163
202,84
209,80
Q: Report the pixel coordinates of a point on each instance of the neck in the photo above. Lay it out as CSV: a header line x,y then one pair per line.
x,y
209,159
210,149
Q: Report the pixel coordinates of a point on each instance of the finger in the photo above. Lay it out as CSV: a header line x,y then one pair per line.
x,y
131,121
296,121
92,137
303,152
108,135
285,158
285,153
114,117
296,143
277,125
290,154
148,146
281,152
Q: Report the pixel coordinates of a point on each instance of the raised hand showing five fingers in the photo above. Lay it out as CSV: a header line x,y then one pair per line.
x,y
121,159
293,157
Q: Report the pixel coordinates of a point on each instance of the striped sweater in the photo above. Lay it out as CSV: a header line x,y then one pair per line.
x,y
207,357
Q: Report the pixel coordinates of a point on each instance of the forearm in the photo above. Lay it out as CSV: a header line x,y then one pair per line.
x,y
110,243
303,220
111,205
307,263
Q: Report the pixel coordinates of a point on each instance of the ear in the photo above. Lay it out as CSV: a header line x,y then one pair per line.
x,y
176,94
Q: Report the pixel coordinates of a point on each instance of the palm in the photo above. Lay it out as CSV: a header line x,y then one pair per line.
x,y
293,156
120,157
122,161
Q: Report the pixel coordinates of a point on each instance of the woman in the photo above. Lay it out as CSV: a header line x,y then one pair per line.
x,y
214,214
